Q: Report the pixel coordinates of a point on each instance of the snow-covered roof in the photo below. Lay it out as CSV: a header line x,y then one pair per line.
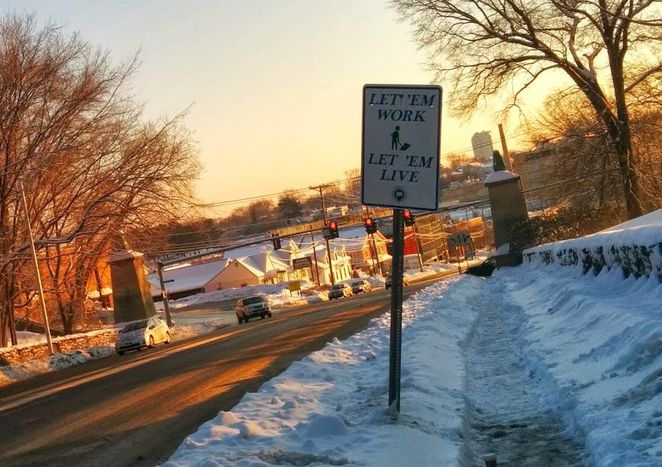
x,y
351,244
262,264
183,278
246,251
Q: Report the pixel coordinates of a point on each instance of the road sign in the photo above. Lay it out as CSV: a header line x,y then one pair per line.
x,y
294,286
300,263
400,149
459,239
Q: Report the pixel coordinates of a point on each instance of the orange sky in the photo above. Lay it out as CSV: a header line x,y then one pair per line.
x,y
273,86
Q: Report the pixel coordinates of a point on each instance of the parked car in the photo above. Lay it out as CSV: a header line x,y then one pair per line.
x,y
252,306
339,290
387,283
144,333
361,285
484,269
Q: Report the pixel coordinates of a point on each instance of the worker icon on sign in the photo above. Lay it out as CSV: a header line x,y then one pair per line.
x,y
395,141
395,138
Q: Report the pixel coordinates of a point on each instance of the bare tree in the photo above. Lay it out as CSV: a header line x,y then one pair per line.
x,y
607,48
90,165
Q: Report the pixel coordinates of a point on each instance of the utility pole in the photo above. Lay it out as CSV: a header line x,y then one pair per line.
x,y
504,147
164,293
417,240
320,188
317,269
376,252
44,314
373,245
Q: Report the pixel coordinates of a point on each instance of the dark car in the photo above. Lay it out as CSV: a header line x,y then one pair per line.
x,y
361,285
484,269
387,283
250,307
340,290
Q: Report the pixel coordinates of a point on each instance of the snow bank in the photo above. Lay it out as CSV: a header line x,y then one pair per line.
x,y
330,407
595,344
44,363
635,247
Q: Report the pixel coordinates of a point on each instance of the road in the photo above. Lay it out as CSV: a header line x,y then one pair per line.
x,y
136,409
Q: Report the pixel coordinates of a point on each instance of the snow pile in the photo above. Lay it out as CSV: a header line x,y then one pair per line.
x,y
20,371
532,355
27,369
635,247
596,346
330,407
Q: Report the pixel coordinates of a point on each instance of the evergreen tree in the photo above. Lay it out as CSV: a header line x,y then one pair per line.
x,y
497,161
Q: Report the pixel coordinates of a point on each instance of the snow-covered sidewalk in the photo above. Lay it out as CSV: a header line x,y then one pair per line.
x,y
506,411
537,360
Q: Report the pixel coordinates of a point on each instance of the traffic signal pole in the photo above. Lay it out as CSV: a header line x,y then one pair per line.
x,y
328,249
164,293
395,361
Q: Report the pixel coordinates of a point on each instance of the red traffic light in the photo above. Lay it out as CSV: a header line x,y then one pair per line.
x,y
370,226
408,217
333,229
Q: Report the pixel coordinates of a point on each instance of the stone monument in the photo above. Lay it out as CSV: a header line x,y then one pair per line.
x,y
508,209
131,291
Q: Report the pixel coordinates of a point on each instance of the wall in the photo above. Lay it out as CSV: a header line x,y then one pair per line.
x,y
634,246
60,345
636,260
235,275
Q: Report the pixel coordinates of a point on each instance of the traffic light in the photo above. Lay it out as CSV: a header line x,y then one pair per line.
x,y
333,229
370,226
408,217
276,241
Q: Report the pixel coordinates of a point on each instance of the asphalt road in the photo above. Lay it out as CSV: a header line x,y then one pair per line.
x,y
136,409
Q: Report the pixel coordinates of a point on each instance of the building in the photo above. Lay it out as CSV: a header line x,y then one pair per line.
x,y
257,269
187,279
482,146
366,255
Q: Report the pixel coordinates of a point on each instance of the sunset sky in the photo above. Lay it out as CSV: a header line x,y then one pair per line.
x,y
273,87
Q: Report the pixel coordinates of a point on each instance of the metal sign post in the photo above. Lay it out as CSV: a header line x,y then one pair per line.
x,y
396,313
400,169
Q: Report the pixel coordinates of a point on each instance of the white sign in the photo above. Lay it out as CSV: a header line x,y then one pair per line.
x,y
400,151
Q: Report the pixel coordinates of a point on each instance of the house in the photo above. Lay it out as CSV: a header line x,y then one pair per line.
x,y
367,255
315,249
266,267
187,279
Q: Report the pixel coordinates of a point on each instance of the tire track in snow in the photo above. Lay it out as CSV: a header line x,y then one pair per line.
x,y
505,411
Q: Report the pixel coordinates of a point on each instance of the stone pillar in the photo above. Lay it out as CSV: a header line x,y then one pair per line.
x,y
132,296
508,208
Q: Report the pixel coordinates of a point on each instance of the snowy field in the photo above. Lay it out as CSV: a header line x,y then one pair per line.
x,y
539,365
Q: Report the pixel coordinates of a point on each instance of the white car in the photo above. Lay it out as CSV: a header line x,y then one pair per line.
x,y
144,333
